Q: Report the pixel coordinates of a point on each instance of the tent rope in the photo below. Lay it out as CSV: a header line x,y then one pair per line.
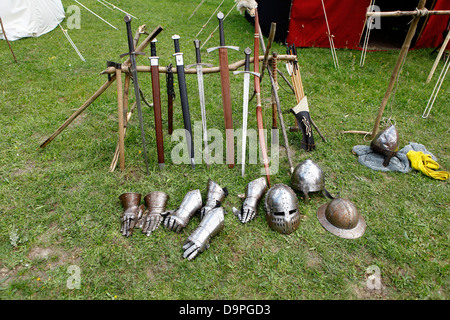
x,y
369,22
211,34
203,27
330,38
71,42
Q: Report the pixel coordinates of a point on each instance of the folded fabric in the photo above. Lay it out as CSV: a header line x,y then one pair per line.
x,y
424,163
398,163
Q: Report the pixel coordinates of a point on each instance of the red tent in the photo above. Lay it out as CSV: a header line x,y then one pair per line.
x,y
307,25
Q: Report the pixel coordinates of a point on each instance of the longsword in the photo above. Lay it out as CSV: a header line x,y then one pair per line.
x,y
154,62
134,73
184,97
201,92
226,94
246,73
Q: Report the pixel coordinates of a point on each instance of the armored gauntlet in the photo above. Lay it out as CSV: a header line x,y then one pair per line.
x,y
253,193
132,212
152,217
214,197
177,219
211,224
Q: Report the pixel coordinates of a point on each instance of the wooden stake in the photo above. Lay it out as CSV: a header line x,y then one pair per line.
x,y
79,111
438,58
7,41
401,58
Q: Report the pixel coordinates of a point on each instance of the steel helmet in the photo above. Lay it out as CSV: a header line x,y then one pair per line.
x,y
386,143
282,211
308,177
341,218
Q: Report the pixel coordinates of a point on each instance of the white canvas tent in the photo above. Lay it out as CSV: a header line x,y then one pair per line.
x,y
29,18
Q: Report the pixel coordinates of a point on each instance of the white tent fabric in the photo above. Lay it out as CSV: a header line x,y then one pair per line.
x,y
29,18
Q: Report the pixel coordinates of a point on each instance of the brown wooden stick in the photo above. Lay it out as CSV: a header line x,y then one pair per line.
x,y
439,56
7,41
144,43
395,72
80,110
121,119
416,13
234,66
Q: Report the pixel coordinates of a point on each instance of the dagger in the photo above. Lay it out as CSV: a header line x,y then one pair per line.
x,y
246,73
154,62
226,95
184,97
201,91
134,73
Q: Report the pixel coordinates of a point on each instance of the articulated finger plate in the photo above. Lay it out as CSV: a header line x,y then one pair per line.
x,y
214,197
152,217
176,220
211,224
253,193
132,212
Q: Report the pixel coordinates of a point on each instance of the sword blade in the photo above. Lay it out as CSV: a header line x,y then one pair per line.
x,y
201,92
245,118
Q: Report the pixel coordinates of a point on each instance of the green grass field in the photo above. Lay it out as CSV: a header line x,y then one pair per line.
x,y
59,204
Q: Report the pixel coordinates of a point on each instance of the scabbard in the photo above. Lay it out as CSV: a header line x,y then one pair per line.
x,y
185,108
304,121
157,112
170,98
226,101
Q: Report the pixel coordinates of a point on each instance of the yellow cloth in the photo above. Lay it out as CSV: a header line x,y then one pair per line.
x,y
423,162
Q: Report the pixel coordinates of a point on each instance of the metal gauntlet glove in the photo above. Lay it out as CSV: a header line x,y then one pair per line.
x,y
214,197
177,219
198,241
253,193
152,217
132,212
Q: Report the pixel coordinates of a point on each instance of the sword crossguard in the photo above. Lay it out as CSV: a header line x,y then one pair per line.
x,y
199,64
256,74
219,47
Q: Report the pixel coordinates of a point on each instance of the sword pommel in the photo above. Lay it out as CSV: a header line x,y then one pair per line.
x,y
127,18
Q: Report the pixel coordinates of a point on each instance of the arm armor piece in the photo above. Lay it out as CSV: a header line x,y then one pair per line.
x,y
177,219
253,193
214,197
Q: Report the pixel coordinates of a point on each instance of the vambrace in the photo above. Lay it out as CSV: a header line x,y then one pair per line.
x,y
177,219
253,193
152,217
214,197
211,224
132,212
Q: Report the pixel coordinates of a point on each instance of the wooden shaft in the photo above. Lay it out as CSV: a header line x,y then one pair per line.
x,y
401,58
273,28
7,41
126,92
274,103
121,118
407,13
232,67
80,110
145,43
438,58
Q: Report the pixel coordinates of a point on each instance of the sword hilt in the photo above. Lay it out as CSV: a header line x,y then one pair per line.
x,y
176,42
153,47
247,52
198,57
131,48
219,47
221,16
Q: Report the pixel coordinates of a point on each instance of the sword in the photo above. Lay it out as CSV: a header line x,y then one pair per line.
x,y
246,73
157,102
226,95
259,115
201,91
184,97
134,73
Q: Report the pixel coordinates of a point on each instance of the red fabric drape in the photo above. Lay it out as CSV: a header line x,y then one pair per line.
x,y
431,37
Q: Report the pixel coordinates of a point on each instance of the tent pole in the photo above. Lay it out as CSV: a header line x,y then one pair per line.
x,y
7,41
401,58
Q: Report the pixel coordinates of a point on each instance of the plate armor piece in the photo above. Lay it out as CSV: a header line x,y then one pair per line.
x,y
341,218
198,241
152,218
214,197
282,211
253,192
308,177
177,219
386,143
132,212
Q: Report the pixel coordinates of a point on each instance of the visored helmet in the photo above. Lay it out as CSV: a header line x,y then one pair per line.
x,y
282,211
341,218
386,143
